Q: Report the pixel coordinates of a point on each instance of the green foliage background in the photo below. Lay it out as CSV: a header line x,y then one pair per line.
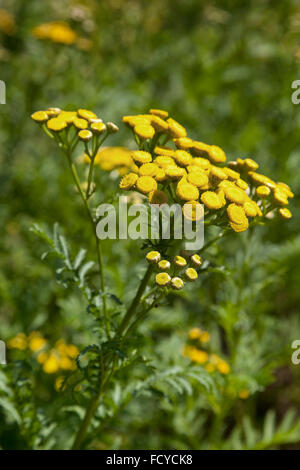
x,y
224,69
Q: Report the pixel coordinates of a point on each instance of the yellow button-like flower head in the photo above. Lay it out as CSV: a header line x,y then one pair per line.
x,y
144,131
98,127
85,135
128,181
176,129
187,192
182,157
164,265
86,114
191,274
263,191
196,260
40,116
198,178
56,124
148,169
140,157
177,283
80,123
211,200
285,213
162,279
146,184
180,261
216,154
160,113
153,256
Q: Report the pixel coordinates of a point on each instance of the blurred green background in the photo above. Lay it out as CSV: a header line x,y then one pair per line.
x,y
224,69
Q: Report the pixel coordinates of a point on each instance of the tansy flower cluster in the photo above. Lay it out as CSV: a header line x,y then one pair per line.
x,y
193,172
59,358
68,128
175,272
212,362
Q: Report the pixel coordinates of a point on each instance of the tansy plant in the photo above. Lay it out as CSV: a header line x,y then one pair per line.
x,y
166,167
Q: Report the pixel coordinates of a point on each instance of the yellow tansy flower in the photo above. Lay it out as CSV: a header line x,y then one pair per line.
x,y
144,131
187,192
211,200
128,181
139,156
174,172
56,124
180,261
176,129
80,123
86,114
40,116
85,135
164,265
166,151
98,127
153,256
51,365
234,194
146,184
191,274
216,154
162,279
285,213
182,157
148,169
177,283
160,113
196,260
198,179
263,191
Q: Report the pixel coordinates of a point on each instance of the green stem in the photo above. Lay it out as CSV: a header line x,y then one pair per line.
x,y
94,403
98,244
135,303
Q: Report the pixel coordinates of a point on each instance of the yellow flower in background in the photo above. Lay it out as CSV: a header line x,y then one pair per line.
x,y
61,357
36,341
7,22
51,364
55,31
18,342
244,394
